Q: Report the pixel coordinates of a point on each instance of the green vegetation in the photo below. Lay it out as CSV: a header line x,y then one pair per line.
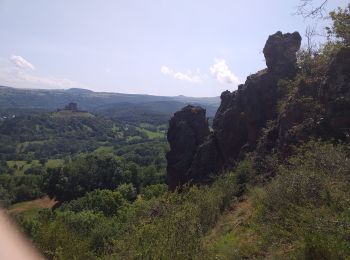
x,y
108,197
301,214
53,163
68,113
36,148
151,134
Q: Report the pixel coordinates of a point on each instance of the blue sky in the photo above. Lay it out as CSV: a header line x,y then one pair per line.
x,y
160,47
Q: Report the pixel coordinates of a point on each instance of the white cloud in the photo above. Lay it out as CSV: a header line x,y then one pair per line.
x,y
18,72
193,77
165,70
222,73
21,63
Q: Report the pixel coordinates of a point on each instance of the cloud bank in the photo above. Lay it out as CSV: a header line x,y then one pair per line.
x,y
222,73
219,70
21,63
189,76
18,72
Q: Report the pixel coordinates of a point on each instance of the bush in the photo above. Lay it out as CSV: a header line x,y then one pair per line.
x,y
128,191
154,191
57,242
176,222
6,197
307,203
104,201
22,187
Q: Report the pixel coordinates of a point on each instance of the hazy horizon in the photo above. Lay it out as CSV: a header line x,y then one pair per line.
x,y
107,92
196,48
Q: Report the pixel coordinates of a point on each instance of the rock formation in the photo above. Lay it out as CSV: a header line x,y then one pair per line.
x,y
279,52
238,121
187,130
334,94
319,109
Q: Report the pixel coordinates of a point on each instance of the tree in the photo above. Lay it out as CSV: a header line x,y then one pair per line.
x,y
307,10
104,201
155,190
128,191
310,33
341,25
83,175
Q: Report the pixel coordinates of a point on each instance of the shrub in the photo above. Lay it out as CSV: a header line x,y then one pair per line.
x,y
307,203
57,242
154,191
128,191
172,226
103,201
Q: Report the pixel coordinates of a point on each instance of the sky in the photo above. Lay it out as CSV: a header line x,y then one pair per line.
x,y
160,47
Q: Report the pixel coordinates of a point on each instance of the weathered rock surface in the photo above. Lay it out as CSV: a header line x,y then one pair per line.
x,y
334,94
188,129
239,119
312,105
279,52
318,109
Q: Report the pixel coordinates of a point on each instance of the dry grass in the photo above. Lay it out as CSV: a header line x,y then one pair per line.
x,y
42,203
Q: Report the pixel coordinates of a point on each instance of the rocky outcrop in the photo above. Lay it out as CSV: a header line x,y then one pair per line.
x,y
279,52
334,94
240,117
319,109
314,104
188,129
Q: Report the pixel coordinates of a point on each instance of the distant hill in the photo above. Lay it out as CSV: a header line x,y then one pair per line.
x,y
14,100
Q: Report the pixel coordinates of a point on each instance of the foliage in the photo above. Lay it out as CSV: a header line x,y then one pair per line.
x,y
176,223
90,172
128,191
313,61
341,25
57,242
20,188
83,175
6,196
304,208
154,191
104,201
307,204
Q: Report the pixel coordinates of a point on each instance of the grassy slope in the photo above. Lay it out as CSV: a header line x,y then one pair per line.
x,y
151,134
303,213
68,113
231,233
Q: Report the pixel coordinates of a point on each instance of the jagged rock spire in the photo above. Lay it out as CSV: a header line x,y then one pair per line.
x,y
237,123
